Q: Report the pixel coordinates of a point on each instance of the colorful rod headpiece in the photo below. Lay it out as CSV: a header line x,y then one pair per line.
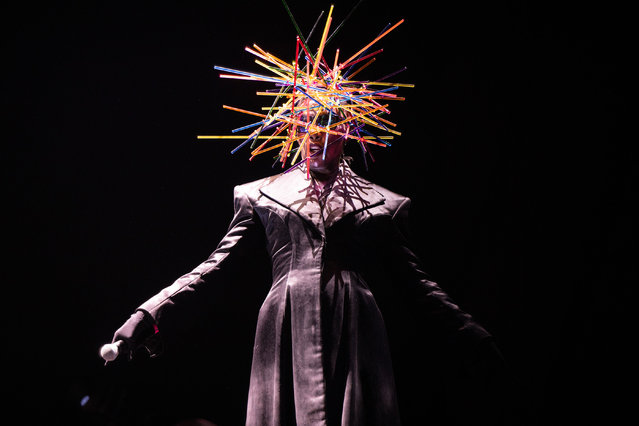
x,y
331,92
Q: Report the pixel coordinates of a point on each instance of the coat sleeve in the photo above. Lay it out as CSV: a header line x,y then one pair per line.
x,y
469,363
427,297
192,292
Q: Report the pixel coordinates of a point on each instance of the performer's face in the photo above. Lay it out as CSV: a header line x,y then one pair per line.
x,y
320,162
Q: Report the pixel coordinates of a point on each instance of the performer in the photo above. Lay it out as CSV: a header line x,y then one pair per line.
x,y
337,243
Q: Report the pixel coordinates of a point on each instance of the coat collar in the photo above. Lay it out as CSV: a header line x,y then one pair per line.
x,y
350,194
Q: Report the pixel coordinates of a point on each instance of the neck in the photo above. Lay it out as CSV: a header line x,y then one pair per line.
x,y
323,178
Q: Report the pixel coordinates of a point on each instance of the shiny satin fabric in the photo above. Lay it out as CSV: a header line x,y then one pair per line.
x,y
321,353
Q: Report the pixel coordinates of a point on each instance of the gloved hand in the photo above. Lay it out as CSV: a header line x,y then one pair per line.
x,y
136,332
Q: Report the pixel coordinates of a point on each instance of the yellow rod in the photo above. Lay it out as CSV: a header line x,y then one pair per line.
x,y
320,51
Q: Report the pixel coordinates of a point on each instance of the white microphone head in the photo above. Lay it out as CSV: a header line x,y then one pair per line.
x,y
110,351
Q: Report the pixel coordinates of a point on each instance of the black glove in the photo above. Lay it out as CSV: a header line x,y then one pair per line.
x,y
138,331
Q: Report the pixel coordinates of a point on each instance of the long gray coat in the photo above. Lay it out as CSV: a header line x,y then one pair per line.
x,y
321,354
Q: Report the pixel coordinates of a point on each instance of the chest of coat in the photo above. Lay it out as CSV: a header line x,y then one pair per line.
x,y
294,241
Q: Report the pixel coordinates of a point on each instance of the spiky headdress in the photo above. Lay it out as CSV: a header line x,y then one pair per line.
x,y
310,83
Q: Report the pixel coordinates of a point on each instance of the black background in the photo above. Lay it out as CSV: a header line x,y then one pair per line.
x,y
513,150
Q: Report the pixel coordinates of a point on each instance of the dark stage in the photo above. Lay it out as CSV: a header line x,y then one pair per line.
x,y
514,150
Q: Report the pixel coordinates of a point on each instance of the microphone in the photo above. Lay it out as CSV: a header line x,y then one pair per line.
x,y
110,351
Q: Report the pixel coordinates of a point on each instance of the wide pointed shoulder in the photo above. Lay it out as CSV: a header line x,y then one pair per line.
x,y
252,189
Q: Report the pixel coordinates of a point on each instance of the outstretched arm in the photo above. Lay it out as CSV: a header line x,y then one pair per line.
x,y
428,298
191,292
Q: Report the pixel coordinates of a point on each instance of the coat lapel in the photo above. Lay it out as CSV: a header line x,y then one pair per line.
x,y
350,194
295,192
